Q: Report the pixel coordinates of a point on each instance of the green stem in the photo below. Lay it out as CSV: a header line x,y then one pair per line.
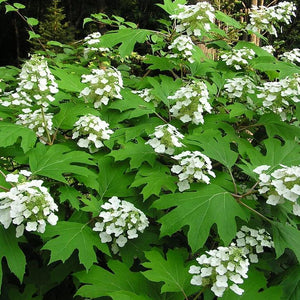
x,y
4,188
253,210
45,126
199,294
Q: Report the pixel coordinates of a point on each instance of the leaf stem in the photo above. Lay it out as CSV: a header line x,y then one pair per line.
x,y
45,126
199,294
253,210
4,188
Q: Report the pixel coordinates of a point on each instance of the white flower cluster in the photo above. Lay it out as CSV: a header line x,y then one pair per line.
x,y
269,48
239,87
227,266
292,56
280,185
146,95
40,122
221,268
253,241
91,131
27,204
268,18
103,85
36,85
278,96
182,48
238,58
120,221
194,19
192,101
165,139
192,166
91,42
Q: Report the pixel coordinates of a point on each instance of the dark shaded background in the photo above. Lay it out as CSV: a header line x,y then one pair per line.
x,y
13,35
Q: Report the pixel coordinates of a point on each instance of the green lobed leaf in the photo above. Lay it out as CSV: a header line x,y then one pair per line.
x,y
69,236
199,210
112,178
276,154
148,176
56,160
275,127
68,193
10,133
70,112
215,146
137,152
172,271
286,236
99,282
68,81
171,6
9,249
159,63
127,37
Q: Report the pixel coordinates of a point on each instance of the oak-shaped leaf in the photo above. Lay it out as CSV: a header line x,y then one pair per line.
x,y
56,160
172,271
112,178
10,133
154,179
138,152
100,282
200,210
276,154
14,256
286,236
68,193
69,236
127,37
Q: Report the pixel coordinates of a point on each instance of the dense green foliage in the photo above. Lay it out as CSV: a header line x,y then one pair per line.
x,y
112,116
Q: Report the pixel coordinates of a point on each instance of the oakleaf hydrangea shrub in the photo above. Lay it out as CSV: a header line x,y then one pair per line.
x,y
238,58
280,96
90,132
91,43
194,19
146,95
239,87
39,121
36,85
102,85
120,221
268,18
192,166
226,267
292,56
173,119
191,103
165,139
27,204
253,241
221,268
280,186
182,47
